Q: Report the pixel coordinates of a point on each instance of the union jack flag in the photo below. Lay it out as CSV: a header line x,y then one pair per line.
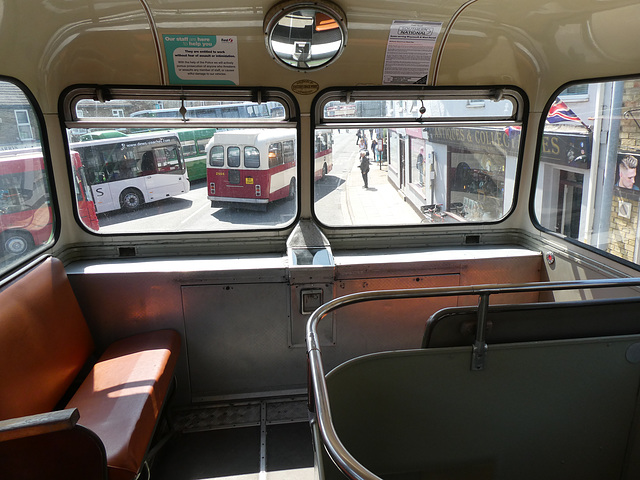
x,y
559,112
510,130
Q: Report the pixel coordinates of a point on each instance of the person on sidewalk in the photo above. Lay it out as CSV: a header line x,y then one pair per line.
x,y
364,167
379,147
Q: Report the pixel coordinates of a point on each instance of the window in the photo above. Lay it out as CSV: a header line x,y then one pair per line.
x,y
580,89
417,153
168,159
475,103
216,156
150,171
27,221
288,151
189,148
24,125
587,187
201,145
233,156
275,155
251,157
391,158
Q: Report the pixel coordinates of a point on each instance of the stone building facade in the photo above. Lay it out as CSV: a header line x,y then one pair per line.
x,y
623,225
18,121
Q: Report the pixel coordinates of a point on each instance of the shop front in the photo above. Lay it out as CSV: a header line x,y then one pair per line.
x,y
465,172
565,172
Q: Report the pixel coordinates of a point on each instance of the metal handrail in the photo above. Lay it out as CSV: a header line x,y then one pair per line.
x,y
319,398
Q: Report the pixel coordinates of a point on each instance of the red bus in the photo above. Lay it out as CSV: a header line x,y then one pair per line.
x,y
251,167
84,197
26,218
323,154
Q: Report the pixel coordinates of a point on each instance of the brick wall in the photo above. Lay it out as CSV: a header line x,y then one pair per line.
x,y
629,129
622,230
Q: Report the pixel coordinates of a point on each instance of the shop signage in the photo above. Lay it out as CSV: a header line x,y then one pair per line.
x,y
486,140
569,150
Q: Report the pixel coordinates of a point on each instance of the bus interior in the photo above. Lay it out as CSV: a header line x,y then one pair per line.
x,y
445,285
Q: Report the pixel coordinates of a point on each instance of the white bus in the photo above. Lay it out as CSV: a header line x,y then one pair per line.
x,y
223,110
126,172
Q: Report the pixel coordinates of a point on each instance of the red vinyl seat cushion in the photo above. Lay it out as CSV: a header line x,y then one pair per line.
x,y
122,397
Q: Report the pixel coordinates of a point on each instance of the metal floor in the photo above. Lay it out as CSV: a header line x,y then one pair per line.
x,y
255,440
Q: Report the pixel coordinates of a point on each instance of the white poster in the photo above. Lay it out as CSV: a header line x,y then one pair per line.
x,y
409,51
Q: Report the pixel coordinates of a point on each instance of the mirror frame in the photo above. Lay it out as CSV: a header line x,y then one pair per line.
x,y
282,9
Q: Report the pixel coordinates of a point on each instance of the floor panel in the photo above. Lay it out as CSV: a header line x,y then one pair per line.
x,y
224,442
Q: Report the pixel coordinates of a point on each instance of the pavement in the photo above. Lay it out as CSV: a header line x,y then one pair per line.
x,y
381,203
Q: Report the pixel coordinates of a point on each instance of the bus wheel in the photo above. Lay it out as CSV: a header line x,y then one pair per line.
x,y
131,199
16,243
292,189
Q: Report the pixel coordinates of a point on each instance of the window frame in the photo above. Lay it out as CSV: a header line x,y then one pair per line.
x,y
516,118
288,117
557,94
38,115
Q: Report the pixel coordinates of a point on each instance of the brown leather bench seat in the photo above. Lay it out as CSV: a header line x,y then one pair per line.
x,y
44,344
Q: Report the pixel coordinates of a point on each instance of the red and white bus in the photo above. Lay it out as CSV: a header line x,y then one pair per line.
x,y
251,167
26,218
84,197
323,154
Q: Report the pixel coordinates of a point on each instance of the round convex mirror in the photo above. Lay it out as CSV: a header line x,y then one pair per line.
x,y
305,35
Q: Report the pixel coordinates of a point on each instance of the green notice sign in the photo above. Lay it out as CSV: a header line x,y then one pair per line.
x,y
201,59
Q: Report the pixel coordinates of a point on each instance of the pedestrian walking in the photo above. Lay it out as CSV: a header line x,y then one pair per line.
x,y
364,167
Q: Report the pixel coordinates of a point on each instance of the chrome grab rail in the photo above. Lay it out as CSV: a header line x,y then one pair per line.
x,y
318,395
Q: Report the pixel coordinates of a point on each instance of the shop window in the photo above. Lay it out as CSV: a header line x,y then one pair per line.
x,y
476,184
